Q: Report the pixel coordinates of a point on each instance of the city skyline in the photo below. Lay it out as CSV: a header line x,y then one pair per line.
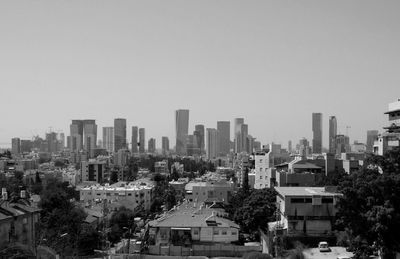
x,y
191,57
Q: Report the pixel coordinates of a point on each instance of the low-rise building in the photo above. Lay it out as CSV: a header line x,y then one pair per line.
x,y
131,194
161,167
187,224
205,190
391,138
93,171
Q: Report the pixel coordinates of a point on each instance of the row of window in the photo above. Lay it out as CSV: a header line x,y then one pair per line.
x,y
216,232
309,200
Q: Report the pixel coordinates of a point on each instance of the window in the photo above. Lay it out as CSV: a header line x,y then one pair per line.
x,y
195,232
234,233
223,232
327,200
129,194
260,177
215,232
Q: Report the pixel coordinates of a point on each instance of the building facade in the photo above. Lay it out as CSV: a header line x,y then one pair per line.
x,y
108,139
142,140
134,141
182,130
332,134
211,149
224,137
317,133
119,134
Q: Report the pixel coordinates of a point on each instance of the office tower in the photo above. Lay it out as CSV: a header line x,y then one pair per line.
x,y
200,134
26,146
289,146
52,142
211,148
165,145
69,142
342,144
223,138
76,134
108,139
192,147
134,141
257,146
249,144
317,133
62,141
304,148
332,134
119,134
152,145
238,137
142,140
16,145
244,132
372,135
90,136
182,130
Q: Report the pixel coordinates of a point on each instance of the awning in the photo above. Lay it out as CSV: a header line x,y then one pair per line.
x,y
180,228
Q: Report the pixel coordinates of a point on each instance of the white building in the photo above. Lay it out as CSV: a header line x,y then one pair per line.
x,y
391,138
131,194
262,162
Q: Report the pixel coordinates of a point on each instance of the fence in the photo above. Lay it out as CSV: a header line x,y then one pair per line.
x,y
217,250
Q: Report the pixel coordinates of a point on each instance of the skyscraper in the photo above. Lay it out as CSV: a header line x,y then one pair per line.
x,y
134,140
182,130
200,134
372,135
62,141
108,138
119,134
332,134
152,145
238,137
165,145
317,133
142,140
211,148
289,146
223,137
16,145
244,132
52,142
90,135
76,134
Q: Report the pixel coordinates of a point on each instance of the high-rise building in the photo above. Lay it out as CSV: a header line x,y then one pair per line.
x,y
108,139
223,138
119,134
16,145
62,141
372,135
289,146
52,142
249,144
90,136
332,134
26,146
134,141
182,130
200,134
244,132
237,132
142,139
304,148
76,135
211,148
165,145
152,145
317,133
342,144
192,147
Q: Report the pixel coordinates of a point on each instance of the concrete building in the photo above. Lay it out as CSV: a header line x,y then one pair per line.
x,y
16,146
90,136
372,135
206,191
93,171
76,135
26,145
152,145
130,194
134,140
161,167
391,138
108,139
211,149
304,149
165,145
262,162
200,136
317,133
119,134
342,144
307,210
142,140
332,134
192,148
18,224
223,137
182,130
238,136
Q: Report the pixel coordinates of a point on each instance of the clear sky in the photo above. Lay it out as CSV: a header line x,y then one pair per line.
x,y
271,62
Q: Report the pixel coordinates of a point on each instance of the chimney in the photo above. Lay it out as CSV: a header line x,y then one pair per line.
x,y
23,194
4,194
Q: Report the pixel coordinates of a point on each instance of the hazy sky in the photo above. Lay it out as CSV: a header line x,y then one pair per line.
x,y
271,62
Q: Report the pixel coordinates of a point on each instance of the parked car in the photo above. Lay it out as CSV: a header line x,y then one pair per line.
x,y
323,247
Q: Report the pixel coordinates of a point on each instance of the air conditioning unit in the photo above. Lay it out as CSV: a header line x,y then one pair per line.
x,y
316,200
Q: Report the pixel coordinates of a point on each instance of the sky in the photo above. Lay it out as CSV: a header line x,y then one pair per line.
x,y
273,63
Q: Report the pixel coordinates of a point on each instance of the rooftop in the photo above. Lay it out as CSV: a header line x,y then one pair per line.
x,y
305,191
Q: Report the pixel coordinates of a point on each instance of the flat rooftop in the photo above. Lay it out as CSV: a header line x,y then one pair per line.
x,y
305,191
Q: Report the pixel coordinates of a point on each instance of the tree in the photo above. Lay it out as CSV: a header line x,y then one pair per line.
x,y
121,222
114,176
370,208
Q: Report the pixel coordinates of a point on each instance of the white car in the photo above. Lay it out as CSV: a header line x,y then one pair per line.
x,y
323,247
